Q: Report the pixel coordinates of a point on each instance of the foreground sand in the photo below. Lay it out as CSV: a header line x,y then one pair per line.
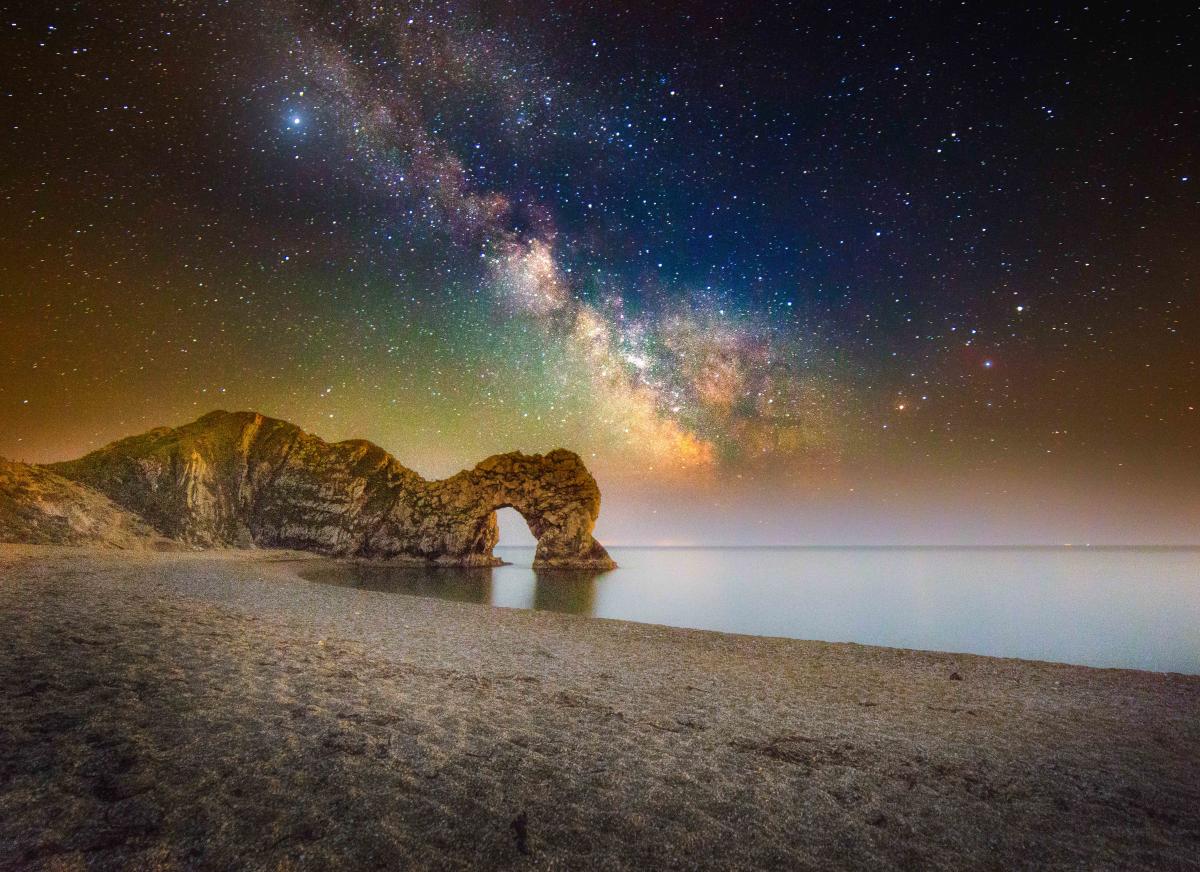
x,y
217,711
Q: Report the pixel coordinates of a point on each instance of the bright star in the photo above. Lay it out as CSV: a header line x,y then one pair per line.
x,y
295,121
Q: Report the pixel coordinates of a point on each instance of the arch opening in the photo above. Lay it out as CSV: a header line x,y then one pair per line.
x,y
517,543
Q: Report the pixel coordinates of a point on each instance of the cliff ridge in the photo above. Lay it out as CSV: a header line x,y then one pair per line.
x,y
242,479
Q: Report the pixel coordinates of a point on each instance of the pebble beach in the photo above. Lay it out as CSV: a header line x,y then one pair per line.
x,y
216,710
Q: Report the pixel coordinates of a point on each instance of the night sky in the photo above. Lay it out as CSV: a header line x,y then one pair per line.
x,y
779,272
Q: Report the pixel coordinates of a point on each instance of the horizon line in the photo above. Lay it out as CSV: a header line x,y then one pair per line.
x,y
1066,546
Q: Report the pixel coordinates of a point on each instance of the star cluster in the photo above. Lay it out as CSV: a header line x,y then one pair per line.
x,y
759,252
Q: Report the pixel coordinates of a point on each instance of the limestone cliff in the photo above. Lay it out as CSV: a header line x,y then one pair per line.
x,y
242,478
40,508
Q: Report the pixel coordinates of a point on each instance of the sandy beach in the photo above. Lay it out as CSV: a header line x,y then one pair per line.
x,y
215,710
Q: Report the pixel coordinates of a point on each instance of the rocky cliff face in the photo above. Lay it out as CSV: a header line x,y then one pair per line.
x,y
40,508
241,478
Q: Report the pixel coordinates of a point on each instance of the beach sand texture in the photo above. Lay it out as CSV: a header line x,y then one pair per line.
x,y
214,711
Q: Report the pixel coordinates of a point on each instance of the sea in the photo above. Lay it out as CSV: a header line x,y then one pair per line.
x,y
1129,608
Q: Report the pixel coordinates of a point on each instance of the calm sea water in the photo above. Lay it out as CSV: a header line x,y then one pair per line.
x,y
1137,609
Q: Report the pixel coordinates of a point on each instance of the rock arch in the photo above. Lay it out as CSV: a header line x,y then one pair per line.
x,y
554,493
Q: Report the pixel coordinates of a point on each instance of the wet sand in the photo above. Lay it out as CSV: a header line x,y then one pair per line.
x,y
217,711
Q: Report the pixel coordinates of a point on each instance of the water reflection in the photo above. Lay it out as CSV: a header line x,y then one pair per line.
x,y
569,591
469,585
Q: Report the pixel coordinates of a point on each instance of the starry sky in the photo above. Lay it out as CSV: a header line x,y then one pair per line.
x,y
780,272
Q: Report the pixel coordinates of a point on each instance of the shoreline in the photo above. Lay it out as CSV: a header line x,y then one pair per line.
x,y
215,709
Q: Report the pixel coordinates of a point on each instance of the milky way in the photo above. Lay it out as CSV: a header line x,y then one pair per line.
x,y
688,387
862,269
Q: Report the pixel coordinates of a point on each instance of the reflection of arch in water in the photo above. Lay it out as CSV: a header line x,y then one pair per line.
x,y
569,591
473,585
462,584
